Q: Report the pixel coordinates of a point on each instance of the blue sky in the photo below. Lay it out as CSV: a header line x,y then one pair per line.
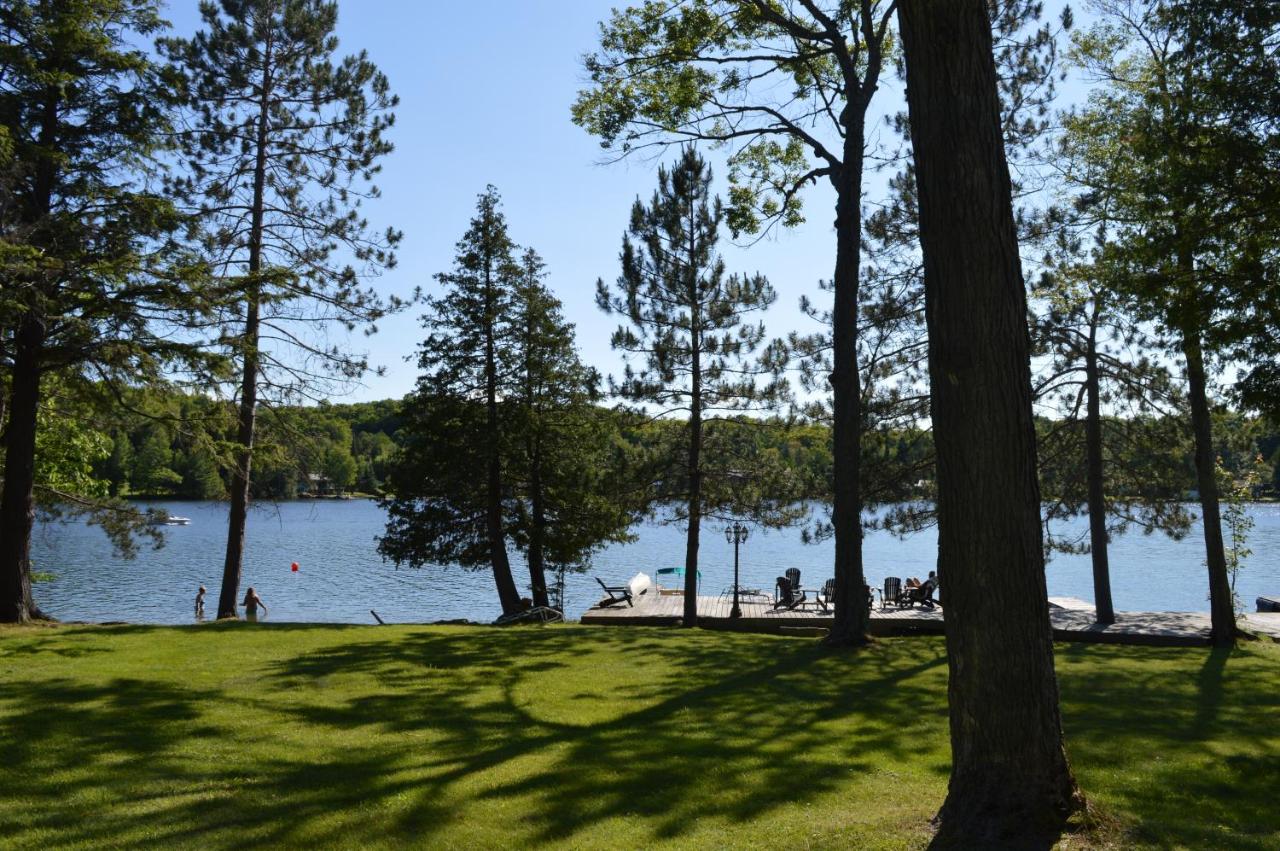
x,y
485,88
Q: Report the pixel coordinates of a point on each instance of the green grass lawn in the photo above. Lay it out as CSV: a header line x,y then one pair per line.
x,y
227,734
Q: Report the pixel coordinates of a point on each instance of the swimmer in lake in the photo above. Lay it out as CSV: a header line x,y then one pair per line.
x,y
251,603
200,602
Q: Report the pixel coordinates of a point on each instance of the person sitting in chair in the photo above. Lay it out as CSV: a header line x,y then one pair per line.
x,y
927,588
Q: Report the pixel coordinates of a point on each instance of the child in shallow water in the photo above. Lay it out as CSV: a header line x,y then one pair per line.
x,y
251,603
200,602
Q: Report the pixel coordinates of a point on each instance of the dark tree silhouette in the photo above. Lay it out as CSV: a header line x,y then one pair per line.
x,y
686,324
1010,780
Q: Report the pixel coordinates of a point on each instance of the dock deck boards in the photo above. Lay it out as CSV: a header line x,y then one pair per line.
x,y
1072,620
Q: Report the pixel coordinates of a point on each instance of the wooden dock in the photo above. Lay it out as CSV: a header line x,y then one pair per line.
x,y
1072,620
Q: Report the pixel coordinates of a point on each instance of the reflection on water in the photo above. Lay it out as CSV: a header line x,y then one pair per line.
x,y
341,577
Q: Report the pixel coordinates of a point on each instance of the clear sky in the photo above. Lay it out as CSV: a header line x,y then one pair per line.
x,y
485,88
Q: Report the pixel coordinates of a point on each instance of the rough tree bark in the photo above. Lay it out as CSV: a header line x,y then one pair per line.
x,y
1221,609
538,535
851,621
17,501
508,595
1104,610
17,504
1010,780
246,425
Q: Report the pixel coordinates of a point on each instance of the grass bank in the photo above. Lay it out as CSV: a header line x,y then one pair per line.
x,y
227,734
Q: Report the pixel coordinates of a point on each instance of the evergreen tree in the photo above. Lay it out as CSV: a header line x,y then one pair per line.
x,y
1148,145
567,477
787,90
1100,357
778,83
152,473
1229,49
686,326
285,142
87,272
445,511
1010,784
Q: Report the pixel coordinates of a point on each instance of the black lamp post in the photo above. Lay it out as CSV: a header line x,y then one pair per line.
x,y
736,535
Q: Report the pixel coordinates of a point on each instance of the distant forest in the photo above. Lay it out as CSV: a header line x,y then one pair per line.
x,y
172,446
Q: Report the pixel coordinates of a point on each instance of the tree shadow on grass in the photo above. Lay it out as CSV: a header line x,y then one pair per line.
x,y
731,730
60,739
415,738
1187,760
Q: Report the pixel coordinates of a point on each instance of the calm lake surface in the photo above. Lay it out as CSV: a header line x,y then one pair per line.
x,y
342,576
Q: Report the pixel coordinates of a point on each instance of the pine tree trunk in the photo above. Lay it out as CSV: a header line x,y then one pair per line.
x,y
17,500
851,622
1098,538
538,535
241,476
246,420
508,595
1221,607
690,618
695,512
1010,780
17,503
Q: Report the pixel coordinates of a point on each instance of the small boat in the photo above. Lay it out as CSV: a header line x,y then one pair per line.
x,y
1269,604
170,520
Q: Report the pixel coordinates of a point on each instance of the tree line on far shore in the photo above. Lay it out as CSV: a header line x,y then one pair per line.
x,y
173,451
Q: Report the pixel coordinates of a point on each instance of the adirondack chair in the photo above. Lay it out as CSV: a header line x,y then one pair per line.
x,y
617,594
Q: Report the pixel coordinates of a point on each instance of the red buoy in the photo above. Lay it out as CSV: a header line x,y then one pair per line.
x,y
294,567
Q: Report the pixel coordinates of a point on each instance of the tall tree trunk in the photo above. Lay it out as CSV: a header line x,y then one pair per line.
x,y
17,500
241,475
1098,539
17,503
690,618
508,595
538,535
695,503
1010,780
851,621
1221,607
246,421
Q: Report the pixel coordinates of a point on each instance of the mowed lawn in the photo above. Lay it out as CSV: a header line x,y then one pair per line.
x,y
452,737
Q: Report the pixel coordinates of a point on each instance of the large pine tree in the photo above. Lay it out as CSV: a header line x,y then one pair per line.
x,y
503,442
1187,250
283,144
1010,781
1107,448
450,484
569,502
687,325
87,271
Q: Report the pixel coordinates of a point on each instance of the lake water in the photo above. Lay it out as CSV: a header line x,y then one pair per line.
x,y
342,577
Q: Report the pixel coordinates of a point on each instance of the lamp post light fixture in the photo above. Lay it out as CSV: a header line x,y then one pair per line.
x,y
736,535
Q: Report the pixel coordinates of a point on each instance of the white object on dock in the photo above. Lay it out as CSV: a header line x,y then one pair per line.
x,y
639,584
